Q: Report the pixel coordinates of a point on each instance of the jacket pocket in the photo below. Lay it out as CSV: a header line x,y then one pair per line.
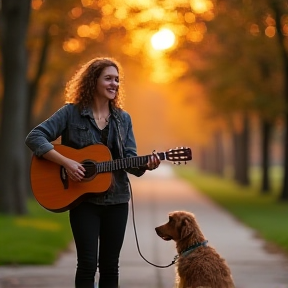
x,y
79,136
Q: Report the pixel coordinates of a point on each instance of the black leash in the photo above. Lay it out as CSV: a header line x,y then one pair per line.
x,y
136,237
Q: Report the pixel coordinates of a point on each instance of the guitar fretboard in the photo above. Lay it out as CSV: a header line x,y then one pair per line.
x,y
93,168
124,163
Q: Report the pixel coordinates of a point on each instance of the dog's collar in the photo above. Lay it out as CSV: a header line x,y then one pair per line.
x,y
193,247
190,249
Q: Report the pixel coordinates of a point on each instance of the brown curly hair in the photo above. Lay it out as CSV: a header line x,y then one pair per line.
x,y
81,88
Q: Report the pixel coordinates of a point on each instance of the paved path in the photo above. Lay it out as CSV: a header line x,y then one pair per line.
x,y
155,195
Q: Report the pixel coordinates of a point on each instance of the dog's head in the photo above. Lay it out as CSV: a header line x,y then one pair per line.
x,y
181,224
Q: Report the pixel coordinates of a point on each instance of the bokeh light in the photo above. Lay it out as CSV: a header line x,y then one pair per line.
x,y
163,39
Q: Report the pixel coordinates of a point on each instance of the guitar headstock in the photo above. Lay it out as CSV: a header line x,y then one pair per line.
x,y
179,154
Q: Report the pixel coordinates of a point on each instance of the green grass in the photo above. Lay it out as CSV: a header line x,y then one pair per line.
x,y
264,213
36,238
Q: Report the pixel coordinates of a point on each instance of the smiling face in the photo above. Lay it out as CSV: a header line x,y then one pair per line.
x,y
108,83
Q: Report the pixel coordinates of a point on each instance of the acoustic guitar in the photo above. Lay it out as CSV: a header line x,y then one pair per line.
x,y
54,190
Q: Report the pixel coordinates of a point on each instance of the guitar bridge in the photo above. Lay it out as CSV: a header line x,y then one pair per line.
x,y
64,177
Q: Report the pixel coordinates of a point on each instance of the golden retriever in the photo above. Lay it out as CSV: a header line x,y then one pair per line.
x,y
197,264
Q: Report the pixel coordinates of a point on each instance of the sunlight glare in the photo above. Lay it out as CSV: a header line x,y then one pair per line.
x,y
201,6
83,31
161,71
163,39
140,4
73,45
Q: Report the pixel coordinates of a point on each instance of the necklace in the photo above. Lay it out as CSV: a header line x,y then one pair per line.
x,y
105,118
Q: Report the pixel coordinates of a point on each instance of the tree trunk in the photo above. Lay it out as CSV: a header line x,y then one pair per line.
x,y
236,155
34,84
279,9
284,191
241,154
13,168
266,131
219,154
203,159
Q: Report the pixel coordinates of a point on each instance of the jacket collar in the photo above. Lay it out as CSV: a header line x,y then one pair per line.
x,y
87,111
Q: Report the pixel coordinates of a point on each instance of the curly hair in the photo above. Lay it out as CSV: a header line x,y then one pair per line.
x,y
81,88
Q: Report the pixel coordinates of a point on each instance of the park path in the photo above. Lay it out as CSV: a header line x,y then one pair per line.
x,y
155,195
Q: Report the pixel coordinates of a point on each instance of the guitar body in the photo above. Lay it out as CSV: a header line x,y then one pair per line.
x,y
55,191
48,188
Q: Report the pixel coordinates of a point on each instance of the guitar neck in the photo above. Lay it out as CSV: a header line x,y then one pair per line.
x,y
130,162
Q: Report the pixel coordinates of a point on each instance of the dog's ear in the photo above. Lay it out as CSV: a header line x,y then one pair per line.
x,y
190,227
186,228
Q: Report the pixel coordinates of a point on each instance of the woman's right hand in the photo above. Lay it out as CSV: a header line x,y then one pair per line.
x,y
74,169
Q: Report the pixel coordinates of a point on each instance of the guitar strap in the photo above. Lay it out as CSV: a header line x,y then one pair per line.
x,y
120,141
121,146
119,120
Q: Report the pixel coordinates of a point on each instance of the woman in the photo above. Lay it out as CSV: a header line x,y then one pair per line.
x,y
93,114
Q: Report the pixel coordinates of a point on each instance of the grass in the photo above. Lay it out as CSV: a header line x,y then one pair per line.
x,y
36,238
264,213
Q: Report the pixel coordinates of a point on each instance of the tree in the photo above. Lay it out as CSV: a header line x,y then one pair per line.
x,y
13,172
280,9
243,71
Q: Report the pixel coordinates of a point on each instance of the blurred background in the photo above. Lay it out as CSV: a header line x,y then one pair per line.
x,y
207,74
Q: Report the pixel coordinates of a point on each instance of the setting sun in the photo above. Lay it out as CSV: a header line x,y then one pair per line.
x,y
163,39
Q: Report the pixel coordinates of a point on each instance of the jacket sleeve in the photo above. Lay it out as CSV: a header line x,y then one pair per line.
x,y
39,139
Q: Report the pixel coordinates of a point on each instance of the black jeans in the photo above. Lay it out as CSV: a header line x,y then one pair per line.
x,y
90,223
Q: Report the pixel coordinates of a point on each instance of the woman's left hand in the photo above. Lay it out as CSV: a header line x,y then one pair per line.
x,y
153,162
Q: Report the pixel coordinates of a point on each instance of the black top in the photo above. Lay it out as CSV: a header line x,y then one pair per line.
x,y
104,134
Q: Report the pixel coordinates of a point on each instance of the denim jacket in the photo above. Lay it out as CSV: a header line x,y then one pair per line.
x,y
78,130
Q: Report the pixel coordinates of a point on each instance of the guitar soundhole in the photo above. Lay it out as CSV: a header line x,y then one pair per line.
x,y
90,167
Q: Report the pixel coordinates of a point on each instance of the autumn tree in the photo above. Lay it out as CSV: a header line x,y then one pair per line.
x,y
280,9
13,177
242,74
